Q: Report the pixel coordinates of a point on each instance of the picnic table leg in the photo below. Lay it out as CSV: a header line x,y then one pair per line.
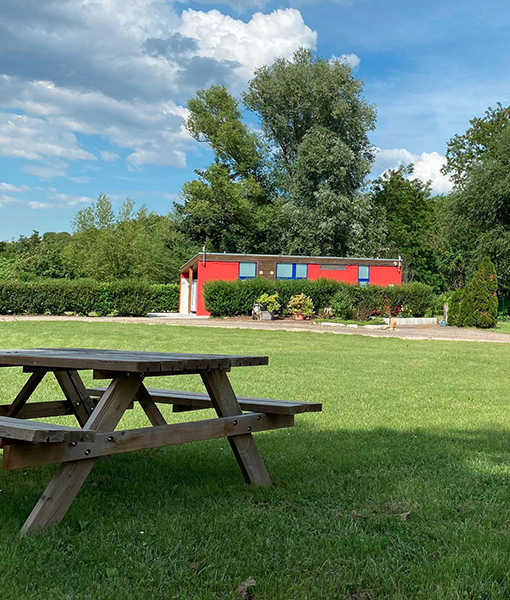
x,y
76,394
69,478
245,450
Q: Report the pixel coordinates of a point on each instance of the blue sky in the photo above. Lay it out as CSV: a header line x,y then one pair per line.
x,y
93,92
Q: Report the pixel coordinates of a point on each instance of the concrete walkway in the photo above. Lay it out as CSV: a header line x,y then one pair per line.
x,y
407,333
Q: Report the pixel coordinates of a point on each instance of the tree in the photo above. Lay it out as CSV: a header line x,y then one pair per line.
x,y
466,150
315,121
476,216
231,205
479,305
409,212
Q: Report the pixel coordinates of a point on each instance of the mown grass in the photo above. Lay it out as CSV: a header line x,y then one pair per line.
x,y
400,489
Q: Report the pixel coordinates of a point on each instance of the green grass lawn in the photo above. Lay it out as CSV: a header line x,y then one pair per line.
x,y
400,489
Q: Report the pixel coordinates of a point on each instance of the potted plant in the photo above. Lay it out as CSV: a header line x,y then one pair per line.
x,y
301,306
266,306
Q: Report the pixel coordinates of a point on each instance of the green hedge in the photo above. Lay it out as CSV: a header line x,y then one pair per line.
x,y
231,298
85,297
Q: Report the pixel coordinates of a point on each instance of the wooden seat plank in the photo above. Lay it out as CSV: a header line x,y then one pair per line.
x,y
199,400
35,431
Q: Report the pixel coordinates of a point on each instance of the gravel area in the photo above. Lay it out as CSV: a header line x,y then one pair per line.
x,y
408,332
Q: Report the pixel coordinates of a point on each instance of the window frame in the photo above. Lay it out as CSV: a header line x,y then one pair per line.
x,y
247,262
294,271
364,281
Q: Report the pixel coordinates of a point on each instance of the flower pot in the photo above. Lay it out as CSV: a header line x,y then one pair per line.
x,y
298,317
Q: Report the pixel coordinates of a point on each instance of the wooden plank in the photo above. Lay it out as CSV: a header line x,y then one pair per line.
x,y
197,400
70,476
118,442
121,360
35,431
147,403
73,397
40,410
26,391
245,450
81,391
102,374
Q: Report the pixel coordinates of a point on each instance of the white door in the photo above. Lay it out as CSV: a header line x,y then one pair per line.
x,y
184,297
194,291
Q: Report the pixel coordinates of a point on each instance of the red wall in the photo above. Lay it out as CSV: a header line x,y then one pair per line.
x,y
209,272
350,275
228,271
385,276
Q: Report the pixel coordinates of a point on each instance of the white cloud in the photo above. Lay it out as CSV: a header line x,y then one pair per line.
x,y
32,138
108,156
427,166
352,60
122,70
81,179
252,44
5,199
13,189
46,171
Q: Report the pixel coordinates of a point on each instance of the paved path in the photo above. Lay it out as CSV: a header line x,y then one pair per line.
x,y
408,333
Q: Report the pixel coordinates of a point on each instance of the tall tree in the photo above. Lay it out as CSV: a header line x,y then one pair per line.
x,y
466,150
316,121
409,213
476,215
228,205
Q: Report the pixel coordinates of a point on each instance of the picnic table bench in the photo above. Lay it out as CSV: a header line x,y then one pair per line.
x,y
98,411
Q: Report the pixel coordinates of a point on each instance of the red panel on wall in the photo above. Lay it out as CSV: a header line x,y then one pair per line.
x,y
385,276
350,274
210,271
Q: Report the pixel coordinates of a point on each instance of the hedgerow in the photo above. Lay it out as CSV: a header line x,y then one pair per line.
x,y
86,297
232,298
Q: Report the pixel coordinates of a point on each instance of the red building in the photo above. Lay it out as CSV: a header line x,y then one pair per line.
x,y
208,267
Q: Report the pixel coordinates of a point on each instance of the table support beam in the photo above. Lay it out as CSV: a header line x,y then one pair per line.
x,y
245,450
69,478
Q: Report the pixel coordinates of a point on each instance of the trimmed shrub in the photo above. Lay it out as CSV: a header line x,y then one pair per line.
x,y
84,297
479,305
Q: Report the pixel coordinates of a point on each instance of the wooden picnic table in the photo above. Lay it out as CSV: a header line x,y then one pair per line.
x,y
98,411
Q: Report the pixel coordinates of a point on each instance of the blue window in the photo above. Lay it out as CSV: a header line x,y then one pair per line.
x,y
301,271
363,275
291,271
247,270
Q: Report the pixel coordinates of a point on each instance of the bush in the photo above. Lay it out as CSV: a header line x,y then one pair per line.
x,y
84,297
347,301
300,304
479,303
269,302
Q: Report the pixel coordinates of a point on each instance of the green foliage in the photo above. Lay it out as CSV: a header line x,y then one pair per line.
x,y
479,303
316,121
464,151
475,217
104,246
410,216
269,302
84,297
231,298
300,304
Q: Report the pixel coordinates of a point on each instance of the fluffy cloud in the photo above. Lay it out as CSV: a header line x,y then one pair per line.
x,y
252,44
427,166
13,189
109,156
352,60
122,70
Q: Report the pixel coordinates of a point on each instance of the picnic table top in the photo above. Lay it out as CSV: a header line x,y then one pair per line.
x,y
123,360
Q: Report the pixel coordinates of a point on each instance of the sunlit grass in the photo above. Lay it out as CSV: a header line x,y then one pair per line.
x,y
400,489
